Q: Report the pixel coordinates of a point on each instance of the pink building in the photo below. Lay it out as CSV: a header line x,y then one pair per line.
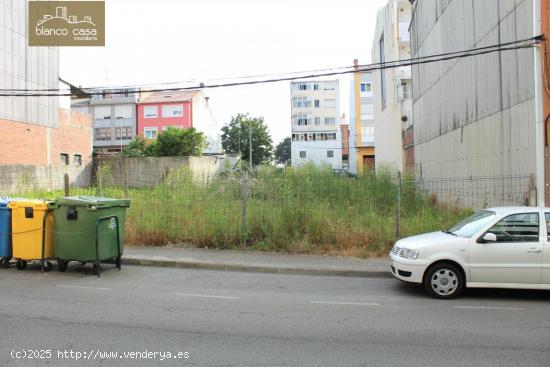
x,y
158,111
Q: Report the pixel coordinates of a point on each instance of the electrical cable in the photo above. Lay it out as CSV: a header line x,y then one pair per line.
x,y
509,46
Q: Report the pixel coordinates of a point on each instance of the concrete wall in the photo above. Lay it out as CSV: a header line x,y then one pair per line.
x,y
141,172
205,122
473,116
16,179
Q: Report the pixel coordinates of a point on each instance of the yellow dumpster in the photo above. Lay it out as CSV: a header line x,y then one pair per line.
x,y
27,232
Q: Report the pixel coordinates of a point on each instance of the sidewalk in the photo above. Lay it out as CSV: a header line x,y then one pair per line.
x,y
261,262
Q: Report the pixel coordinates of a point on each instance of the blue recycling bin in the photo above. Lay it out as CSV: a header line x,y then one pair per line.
x,y
5,232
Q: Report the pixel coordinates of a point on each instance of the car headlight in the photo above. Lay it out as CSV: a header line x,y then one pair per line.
x,y
408,253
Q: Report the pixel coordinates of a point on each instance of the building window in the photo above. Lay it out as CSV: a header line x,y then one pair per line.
x,y
302,154
150,132
330,153
317,104
123,133
123,112
64,158
102,113
367,134
103,133
301,102
174,110
317,121
305,86
77,160
331,103
382,72
330,121
366,89
150,112
302,120
323,136
368,112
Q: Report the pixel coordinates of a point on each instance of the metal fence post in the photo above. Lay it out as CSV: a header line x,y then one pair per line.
x,y
66,184
245,193
100,182
398,214
126,185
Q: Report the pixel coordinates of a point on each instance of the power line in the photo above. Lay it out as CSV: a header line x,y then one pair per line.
x,y
509,46
362,68
350,68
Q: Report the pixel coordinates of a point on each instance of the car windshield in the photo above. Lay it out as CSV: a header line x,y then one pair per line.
x,y
471,225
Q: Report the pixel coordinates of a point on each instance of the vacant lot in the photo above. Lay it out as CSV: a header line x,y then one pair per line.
x,y
307,210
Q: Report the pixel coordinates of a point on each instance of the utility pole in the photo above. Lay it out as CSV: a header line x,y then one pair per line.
x,y
250,143
539,113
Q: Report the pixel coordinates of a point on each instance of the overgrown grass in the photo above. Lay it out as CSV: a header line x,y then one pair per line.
x,y
306,210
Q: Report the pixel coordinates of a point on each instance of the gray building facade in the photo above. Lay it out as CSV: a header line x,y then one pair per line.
x,y
114,117
23,67
473,117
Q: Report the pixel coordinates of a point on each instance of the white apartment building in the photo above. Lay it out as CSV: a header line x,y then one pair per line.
x,y
393,103
316,135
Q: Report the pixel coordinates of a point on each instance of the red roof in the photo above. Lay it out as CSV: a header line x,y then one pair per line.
x,y
160,97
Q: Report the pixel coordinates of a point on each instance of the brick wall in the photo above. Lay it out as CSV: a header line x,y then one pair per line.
x,y
27,144
74,136
22,143
24,153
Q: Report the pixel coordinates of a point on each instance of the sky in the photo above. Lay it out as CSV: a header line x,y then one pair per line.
x,y
167,41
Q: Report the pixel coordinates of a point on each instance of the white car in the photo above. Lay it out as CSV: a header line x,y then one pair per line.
x,y
505,247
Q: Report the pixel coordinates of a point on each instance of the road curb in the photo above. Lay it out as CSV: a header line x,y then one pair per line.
x,y
255,269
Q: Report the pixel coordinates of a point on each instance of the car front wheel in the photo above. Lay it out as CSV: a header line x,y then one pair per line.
x,y
444,281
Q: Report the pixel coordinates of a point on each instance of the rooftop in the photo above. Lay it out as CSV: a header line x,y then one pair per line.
x,y
176,96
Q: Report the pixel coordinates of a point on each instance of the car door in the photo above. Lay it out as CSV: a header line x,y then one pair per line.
x,y
515,256
546,252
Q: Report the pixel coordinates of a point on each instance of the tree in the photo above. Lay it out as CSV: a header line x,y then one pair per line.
x,y
179,142
235,138
283,152
171,142
136,148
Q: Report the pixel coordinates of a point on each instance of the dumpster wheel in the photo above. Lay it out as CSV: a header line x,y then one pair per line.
x,y
4,262
47,266
21,264
62,265
118,262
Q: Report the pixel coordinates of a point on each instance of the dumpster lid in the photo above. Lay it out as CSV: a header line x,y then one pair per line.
x,y
96,201
4,201
22,203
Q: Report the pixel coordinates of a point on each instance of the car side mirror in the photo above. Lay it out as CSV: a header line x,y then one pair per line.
x,y
490,237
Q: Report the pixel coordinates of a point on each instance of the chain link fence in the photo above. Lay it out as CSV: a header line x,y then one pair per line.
x,y
306,210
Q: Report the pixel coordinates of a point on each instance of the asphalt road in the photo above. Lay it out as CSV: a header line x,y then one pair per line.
x,y
245,319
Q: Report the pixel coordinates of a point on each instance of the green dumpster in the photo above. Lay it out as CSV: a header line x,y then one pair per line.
x,y
88,229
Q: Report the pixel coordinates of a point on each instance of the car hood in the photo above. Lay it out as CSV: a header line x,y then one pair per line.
x,y
429,239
